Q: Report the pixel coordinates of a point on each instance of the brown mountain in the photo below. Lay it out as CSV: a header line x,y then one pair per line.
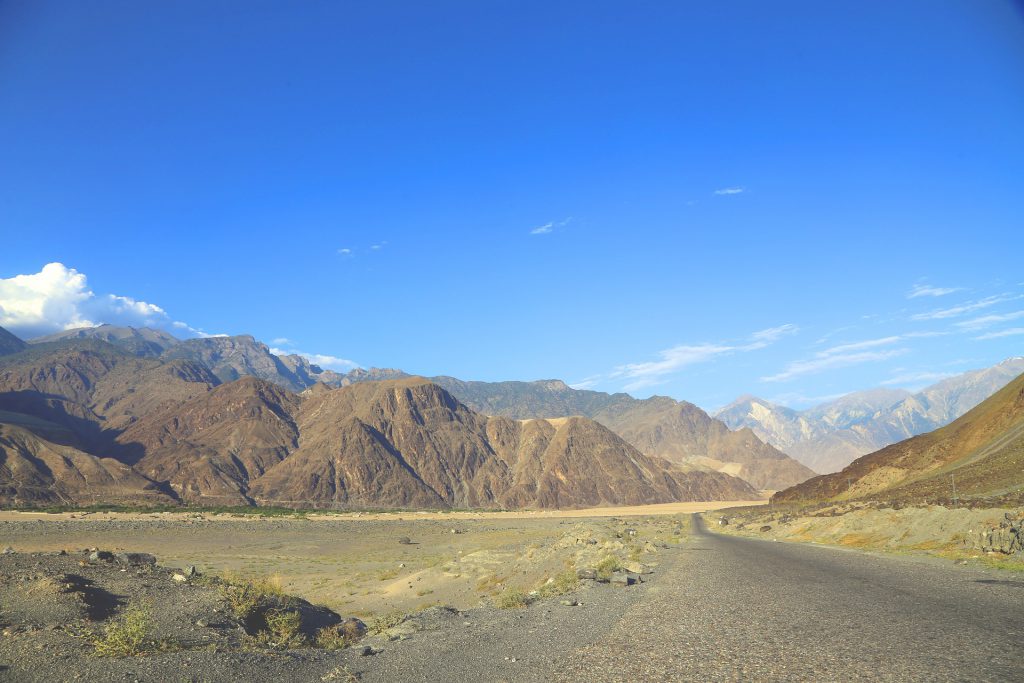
x,y
660,426
10,343
983,451
36,471
145,342
92,388
401,443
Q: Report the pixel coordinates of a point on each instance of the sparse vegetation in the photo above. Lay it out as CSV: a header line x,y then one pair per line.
x,y
283,629
560,584
126,635
607,566
512,598
247,596
383,622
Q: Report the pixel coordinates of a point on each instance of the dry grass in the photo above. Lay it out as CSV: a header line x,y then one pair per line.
x,y
512,598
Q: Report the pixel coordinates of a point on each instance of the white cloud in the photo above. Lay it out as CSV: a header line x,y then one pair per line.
x,y
967,307
829,362
928,290
550,226
586,382
725,191
345,251
861,345
323,360
989,320
671,360
1010,332
59,298
281,341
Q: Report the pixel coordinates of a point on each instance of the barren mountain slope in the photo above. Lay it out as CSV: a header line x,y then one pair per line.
x,y
36,471
675,430
983,450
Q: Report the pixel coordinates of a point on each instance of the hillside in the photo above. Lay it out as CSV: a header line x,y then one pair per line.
x,y
831,435
983,450
10,343
659,426
402,443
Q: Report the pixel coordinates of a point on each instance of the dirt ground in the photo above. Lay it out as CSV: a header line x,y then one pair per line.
x,y
360,564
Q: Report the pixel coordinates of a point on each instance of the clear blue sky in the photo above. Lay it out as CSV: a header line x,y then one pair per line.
x,y
617,194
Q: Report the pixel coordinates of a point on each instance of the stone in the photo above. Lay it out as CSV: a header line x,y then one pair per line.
x,y
202,623
584,573
572,602
190,571
766,527
352,628
366,651
98,555
180,578
8,550
625,578
135,559
404,540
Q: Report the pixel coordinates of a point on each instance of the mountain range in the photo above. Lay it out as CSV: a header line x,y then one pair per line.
x,y
662,427
829,436
978,455
135,418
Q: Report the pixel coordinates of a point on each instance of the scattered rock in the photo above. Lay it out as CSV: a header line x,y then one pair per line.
x,y
367,651
98,555
135,559
625,578
8,550
181,578
202,623
766,527
404,540
190,572
572,602
585,573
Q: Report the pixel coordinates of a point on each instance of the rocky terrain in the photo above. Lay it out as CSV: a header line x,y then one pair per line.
x,y
99,614
830,436
985,535
979,456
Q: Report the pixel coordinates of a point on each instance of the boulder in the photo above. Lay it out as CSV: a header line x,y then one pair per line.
x,y
625,578
585,573
135,559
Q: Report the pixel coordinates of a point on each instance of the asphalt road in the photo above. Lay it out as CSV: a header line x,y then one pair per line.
x,y
740,609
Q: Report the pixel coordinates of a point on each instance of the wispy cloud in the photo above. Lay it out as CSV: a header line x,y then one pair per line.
x,y
587,382
725,191
550,226
989,320
928,290
843,355
964,308
1010,332
345,251
819,363
671,360
916,379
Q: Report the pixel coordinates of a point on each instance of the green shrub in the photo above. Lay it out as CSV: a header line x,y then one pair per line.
x,y
387,621
560,584
126,635
283,629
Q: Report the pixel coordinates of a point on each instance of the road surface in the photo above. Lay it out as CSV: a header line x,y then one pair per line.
x,y
741,609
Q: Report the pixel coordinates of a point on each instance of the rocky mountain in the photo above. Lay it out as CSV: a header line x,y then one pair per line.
x,y
981,453
659,426
402,443
831,435
87,420
10,343
144,342
678,431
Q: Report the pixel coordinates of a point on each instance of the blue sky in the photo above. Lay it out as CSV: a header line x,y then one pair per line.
x,y
698,199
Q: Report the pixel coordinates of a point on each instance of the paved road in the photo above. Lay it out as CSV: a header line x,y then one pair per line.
x,y
740,609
